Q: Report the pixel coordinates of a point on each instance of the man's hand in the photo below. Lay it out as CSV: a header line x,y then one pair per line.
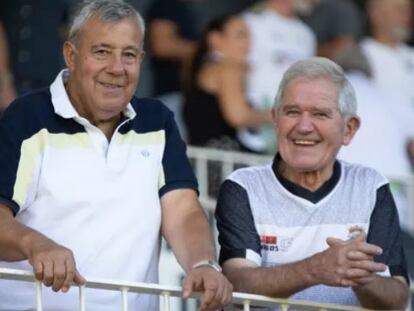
x,y
53,264
216,288
347,263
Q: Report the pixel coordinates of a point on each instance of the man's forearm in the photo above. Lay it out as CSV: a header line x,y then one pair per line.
x,y
385,293
185,227
13,237
197,239
282,281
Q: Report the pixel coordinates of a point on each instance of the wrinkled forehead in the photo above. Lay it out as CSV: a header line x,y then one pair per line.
x,y
317,85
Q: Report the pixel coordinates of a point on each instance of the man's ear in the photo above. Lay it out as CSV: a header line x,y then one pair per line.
x,y
351,127
69,53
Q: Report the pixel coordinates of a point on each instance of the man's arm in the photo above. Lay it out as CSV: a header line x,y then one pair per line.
x,y
330,267
52,264
387,293
166,43
376,292
185,227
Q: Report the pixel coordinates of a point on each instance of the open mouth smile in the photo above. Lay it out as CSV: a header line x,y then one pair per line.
x,y
304,142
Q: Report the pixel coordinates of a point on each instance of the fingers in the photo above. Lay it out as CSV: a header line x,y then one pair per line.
x,y
369,266
78,278
358,255
55,267
38,270
70,275
216,295
208,300
216,289
48,273
59,275
333,241
188,286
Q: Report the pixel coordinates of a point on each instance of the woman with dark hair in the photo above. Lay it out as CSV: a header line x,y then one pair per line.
x,y
215,104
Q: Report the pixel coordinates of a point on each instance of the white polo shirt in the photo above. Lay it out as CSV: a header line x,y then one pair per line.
x,y
61,177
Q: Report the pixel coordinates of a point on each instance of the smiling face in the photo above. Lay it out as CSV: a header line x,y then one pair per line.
x,y
104,68
310,128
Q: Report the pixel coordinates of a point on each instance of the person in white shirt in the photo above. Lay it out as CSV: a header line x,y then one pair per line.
x,y
278,39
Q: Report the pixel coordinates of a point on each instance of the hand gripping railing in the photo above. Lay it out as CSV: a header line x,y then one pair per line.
x,y
246,300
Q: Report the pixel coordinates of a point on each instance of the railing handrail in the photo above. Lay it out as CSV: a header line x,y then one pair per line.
x,y
176,291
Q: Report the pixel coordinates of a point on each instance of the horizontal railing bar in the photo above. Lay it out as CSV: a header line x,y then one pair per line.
x,y
226,156
176,291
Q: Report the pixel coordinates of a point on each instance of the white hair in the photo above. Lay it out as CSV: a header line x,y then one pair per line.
x,y
109,11
319,67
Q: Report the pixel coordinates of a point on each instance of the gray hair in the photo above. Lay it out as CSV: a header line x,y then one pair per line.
x,y
319,67
108,11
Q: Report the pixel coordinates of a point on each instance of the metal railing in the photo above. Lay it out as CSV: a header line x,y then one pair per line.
x,y
166,292
226,162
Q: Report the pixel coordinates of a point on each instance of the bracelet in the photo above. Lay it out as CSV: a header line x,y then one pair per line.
x,y
207,263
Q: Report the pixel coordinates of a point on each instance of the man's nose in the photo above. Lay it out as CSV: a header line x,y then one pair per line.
x,y
305,123
116,65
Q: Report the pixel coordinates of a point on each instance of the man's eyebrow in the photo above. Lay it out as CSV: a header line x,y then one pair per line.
x,y
108,46
101,45
132,47
289,106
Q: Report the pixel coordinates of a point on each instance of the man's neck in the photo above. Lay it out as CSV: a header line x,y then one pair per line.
x,y
312,180
107,126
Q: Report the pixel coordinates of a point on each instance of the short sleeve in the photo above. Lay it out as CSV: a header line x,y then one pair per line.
x,y
238,237
384,231
176,171
10,145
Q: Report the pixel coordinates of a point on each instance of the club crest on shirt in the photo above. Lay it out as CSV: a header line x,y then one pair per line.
x,y
273,243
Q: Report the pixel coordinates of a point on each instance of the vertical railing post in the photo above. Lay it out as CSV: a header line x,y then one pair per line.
x,y
246,305
124,292
82,304
38,285
202,176
284,307
165,301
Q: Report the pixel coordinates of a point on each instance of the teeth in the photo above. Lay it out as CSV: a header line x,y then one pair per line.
x,y
305,142
113,86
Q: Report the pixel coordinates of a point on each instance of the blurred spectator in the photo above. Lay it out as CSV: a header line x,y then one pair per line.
x,y
278,39
386,126
215,99
34,32
381,141
172,38
391,60
7,91
144,88
337,24
207,10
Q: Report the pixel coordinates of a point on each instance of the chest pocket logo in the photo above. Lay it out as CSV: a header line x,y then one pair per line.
x,y
145,153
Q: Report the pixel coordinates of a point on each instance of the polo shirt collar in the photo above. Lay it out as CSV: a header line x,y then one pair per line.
x,y
61,102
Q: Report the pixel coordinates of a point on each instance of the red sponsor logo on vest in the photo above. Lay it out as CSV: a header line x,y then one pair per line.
x,y
268,239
